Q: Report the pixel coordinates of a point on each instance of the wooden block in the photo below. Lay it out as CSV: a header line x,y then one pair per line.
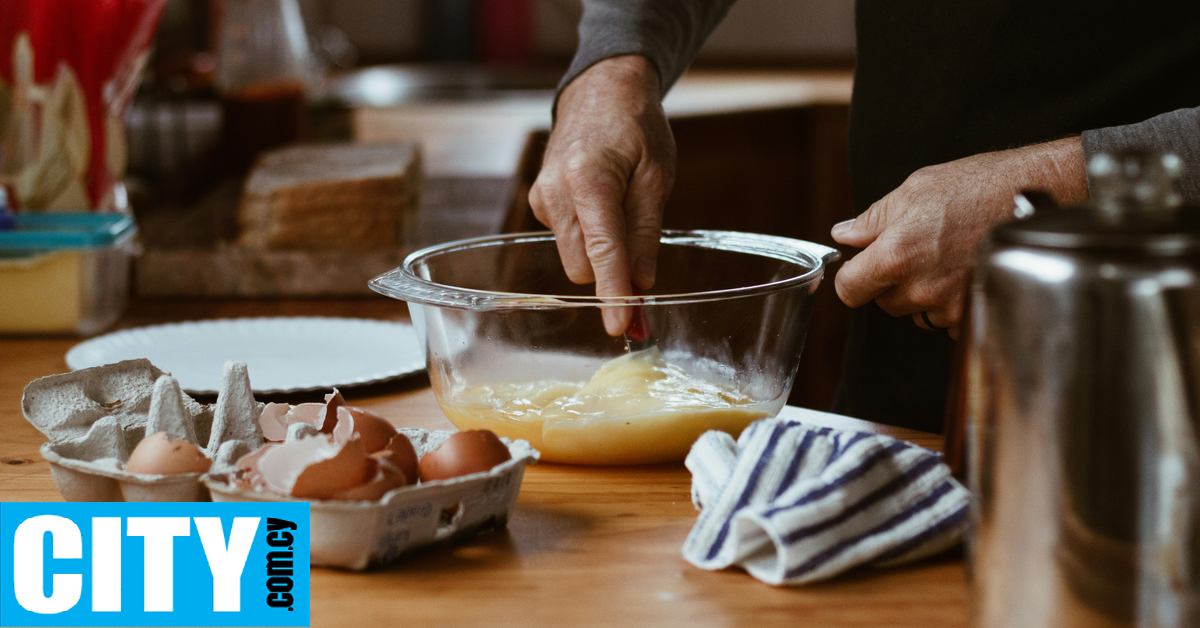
x,y
184,258
332,196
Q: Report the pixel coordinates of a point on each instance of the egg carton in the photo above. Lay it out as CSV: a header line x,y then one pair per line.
x,y
358,535
95,417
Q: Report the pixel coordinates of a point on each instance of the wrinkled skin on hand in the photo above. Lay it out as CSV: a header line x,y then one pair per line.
x,y
920,239
607,172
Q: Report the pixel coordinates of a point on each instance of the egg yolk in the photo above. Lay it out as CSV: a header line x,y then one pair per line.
x,y
637,409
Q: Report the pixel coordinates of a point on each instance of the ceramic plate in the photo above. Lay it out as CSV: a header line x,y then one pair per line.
x,y
286,354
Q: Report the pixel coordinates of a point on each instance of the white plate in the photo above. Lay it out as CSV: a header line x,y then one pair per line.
x,y
285,354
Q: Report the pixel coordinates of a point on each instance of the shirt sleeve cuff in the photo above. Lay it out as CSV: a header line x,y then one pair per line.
x,y
666,32
1175,132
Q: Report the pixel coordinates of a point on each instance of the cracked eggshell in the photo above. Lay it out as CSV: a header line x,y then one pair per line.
x,y
249,462
401,454
374,430
328,414
273,420
296,431
277,417
387,477
158,455
358,534
309,413
248,475
317,467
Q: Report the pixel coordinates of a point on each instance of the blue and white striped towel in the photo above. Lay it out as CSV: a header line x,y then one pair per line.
x,y
794,503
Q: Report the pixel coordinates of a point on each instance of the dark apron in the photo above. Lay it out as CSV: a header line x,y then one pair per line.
x,y
938,80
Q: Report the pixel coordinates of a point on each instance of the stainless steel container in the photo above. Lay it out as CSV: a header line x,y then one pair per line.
x,y
1084,400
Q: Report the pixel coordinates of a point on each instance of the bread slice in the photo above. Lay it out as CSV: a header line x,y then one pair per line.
x,y
332,196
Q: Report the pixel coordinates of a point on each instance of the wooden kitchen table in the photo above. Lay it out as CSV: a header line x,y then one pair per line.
x,y
585,545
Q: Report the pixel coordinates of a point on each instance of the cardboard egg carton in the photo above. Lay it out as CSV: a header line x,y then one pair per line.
x,y
357,535
95,417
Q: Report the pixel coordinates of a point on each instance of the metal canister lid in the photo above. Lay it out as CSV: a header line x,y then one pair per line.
x,y
1084,228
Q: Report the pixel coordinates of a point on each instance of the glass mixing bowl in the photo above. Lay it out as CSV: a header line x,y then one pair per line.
x,y
513,346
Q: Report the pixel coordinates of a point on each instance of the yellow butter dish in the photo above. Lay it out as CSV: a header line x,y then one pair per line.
x,y
64,272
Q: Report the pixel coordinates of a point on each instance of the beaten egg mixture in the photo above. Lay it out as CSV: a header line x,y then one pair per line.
x,y
636,409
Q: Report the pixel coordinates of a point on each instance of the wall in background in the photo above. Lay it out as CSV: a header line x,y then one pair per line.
x,y
554,23
382,30
755,31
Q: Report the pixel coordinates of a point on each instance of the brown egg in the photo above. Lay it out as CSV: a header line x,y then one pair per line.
x,y
387,477
315,467
464,453
374,430
402,455
155,455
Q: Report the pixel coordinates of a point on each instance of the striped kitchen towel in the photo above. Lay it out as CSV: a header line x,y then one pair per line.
x,y
793,503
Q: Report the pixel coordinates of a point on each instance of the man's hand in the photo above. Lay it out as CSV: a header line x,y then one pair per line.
x,y
920,239
608,169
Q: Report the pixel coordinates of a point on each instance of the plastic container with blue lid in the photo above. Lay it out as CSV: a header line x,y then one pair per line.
x,y
50,231
64,272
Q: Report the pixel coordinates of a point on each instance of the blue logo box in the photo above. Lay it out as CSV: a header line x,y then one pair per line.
x,y
154,564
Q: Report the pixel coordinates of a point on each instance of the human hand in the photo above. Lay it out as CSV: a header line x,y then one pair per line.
x,y
920,239
608,169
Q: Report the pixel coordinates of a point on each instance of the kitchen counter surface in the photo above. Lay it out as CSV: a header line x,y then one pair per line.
x,y
585,546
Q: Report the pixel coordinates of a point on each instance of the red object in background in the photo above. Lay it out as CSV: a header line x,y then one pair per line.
x,y
506,30
100,41
639,324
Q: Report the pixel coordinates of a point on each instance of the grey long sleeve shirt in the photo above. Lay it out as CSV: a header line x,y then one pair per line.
x,y
667,32
1173,132
670,32
937,81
